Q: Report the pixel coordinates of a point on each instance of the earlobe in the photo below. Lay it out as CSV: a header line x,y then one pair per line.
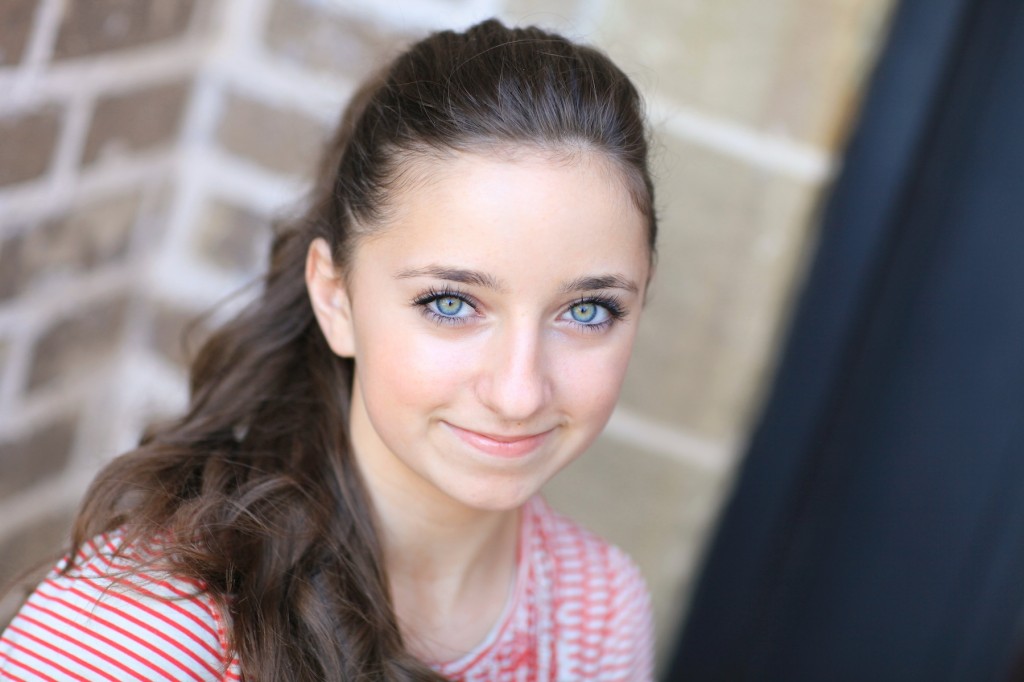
x,y
329,298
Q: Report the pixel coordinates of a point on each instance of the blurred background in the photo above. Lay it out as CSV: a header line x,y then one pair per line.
x,y
145,146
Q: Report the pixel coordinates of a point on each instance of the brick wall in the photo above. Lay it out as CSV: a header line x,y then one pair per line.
x,y
94,100
145,145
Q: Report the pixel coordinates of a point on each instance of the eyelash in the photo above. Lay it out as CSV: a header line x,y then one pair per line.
x,y
423,300
611,304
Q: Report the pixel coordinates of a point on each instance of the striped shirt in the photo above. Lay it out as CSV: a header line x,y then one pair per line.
x,y
579,611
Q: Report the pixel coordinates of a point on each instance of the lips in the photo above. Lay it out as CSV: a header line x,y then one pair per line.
x,y
508,446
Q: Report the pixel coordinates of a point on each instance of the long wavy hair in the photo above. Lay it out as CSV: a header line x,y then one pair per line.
x,y
254,492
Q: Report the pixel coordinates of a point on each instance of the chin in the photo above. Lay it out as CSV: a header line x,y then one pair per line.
x,y
496,498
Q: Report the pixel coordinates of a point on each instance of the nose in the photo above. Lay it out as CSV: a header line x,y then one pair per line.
x,y
515,386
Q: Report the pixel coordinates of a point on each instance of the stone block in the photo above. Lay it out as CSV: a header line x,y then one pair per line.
x,y
35,456
312,36
731,242
85,340
27,144
821,72
657,508
233,238
276,137
135,121
10,267
788,67
91,27
61,247
16,20
28,554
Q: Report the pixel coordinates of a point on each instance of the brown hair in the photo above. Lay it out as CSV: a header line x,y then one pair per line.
x,y
253,491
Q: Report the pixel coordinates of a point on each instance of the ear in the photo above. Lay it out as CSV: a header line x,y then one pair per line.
x,y
329,297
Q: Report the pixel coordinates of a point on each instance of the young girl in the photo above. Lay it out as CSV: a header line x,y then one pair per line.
x,y
353,492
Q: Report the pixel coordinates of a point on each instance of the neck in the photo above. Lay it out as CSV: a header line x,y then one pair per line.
x,y
433,540
450,567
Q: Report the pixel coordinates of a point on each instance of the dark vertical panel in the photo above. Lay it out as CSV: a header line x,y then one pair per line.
x,y
895,539
871,534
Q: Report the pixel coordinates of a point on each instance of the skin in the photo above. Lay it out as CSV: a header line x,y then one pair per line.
x,y
470,395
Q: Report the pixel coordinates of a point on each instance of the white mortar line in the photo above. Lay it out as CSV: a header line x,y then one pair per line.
x,y
44,405
205,287
147,386
205,172
71,143
239,61
777,154
166,256
414,17
37,52
35,309
241,25
202,113
155,191
98,438
30,201
247,183
145,67
184,216
106,426
189,178
237,26
648,434
264,78
110,404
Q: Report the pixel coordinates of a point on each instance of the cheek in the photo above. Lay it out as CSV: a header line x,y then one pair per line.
x,y
408,368
591,380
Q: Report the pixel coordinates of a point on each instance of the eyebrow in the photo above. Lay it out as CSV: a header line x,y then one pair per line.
x,y
482,279
600,282
474,277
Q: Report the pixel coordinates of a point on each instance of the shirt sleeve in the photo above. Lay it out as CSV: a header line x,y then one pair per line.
x,y
102,622
629,648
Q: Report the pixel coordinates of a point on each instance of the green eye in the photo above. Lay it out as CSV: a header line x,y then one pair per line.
x,y
446,307
584,312
449,305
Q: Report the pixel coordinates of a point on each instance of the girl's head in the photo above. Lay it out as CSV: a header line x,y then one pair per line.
x,y
485,247
462,293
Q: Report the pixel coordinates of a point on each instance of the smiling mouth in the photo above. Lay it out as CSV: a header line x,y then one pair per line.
x,y
500,445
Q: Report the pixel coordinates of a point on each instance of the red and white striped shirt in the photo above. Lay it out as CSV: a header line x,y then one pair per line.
x,y
579,611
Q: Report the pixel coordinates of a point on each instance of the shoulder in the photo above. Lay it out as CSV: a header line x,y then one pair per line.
x,y
116,615
600,596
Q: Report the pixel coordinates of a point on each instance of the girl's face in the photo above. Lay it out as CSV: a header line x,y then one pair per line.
x,y
491,323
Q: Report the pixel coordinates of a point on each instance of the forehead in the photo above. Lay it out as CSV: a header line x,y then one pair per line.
x,y
518,215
